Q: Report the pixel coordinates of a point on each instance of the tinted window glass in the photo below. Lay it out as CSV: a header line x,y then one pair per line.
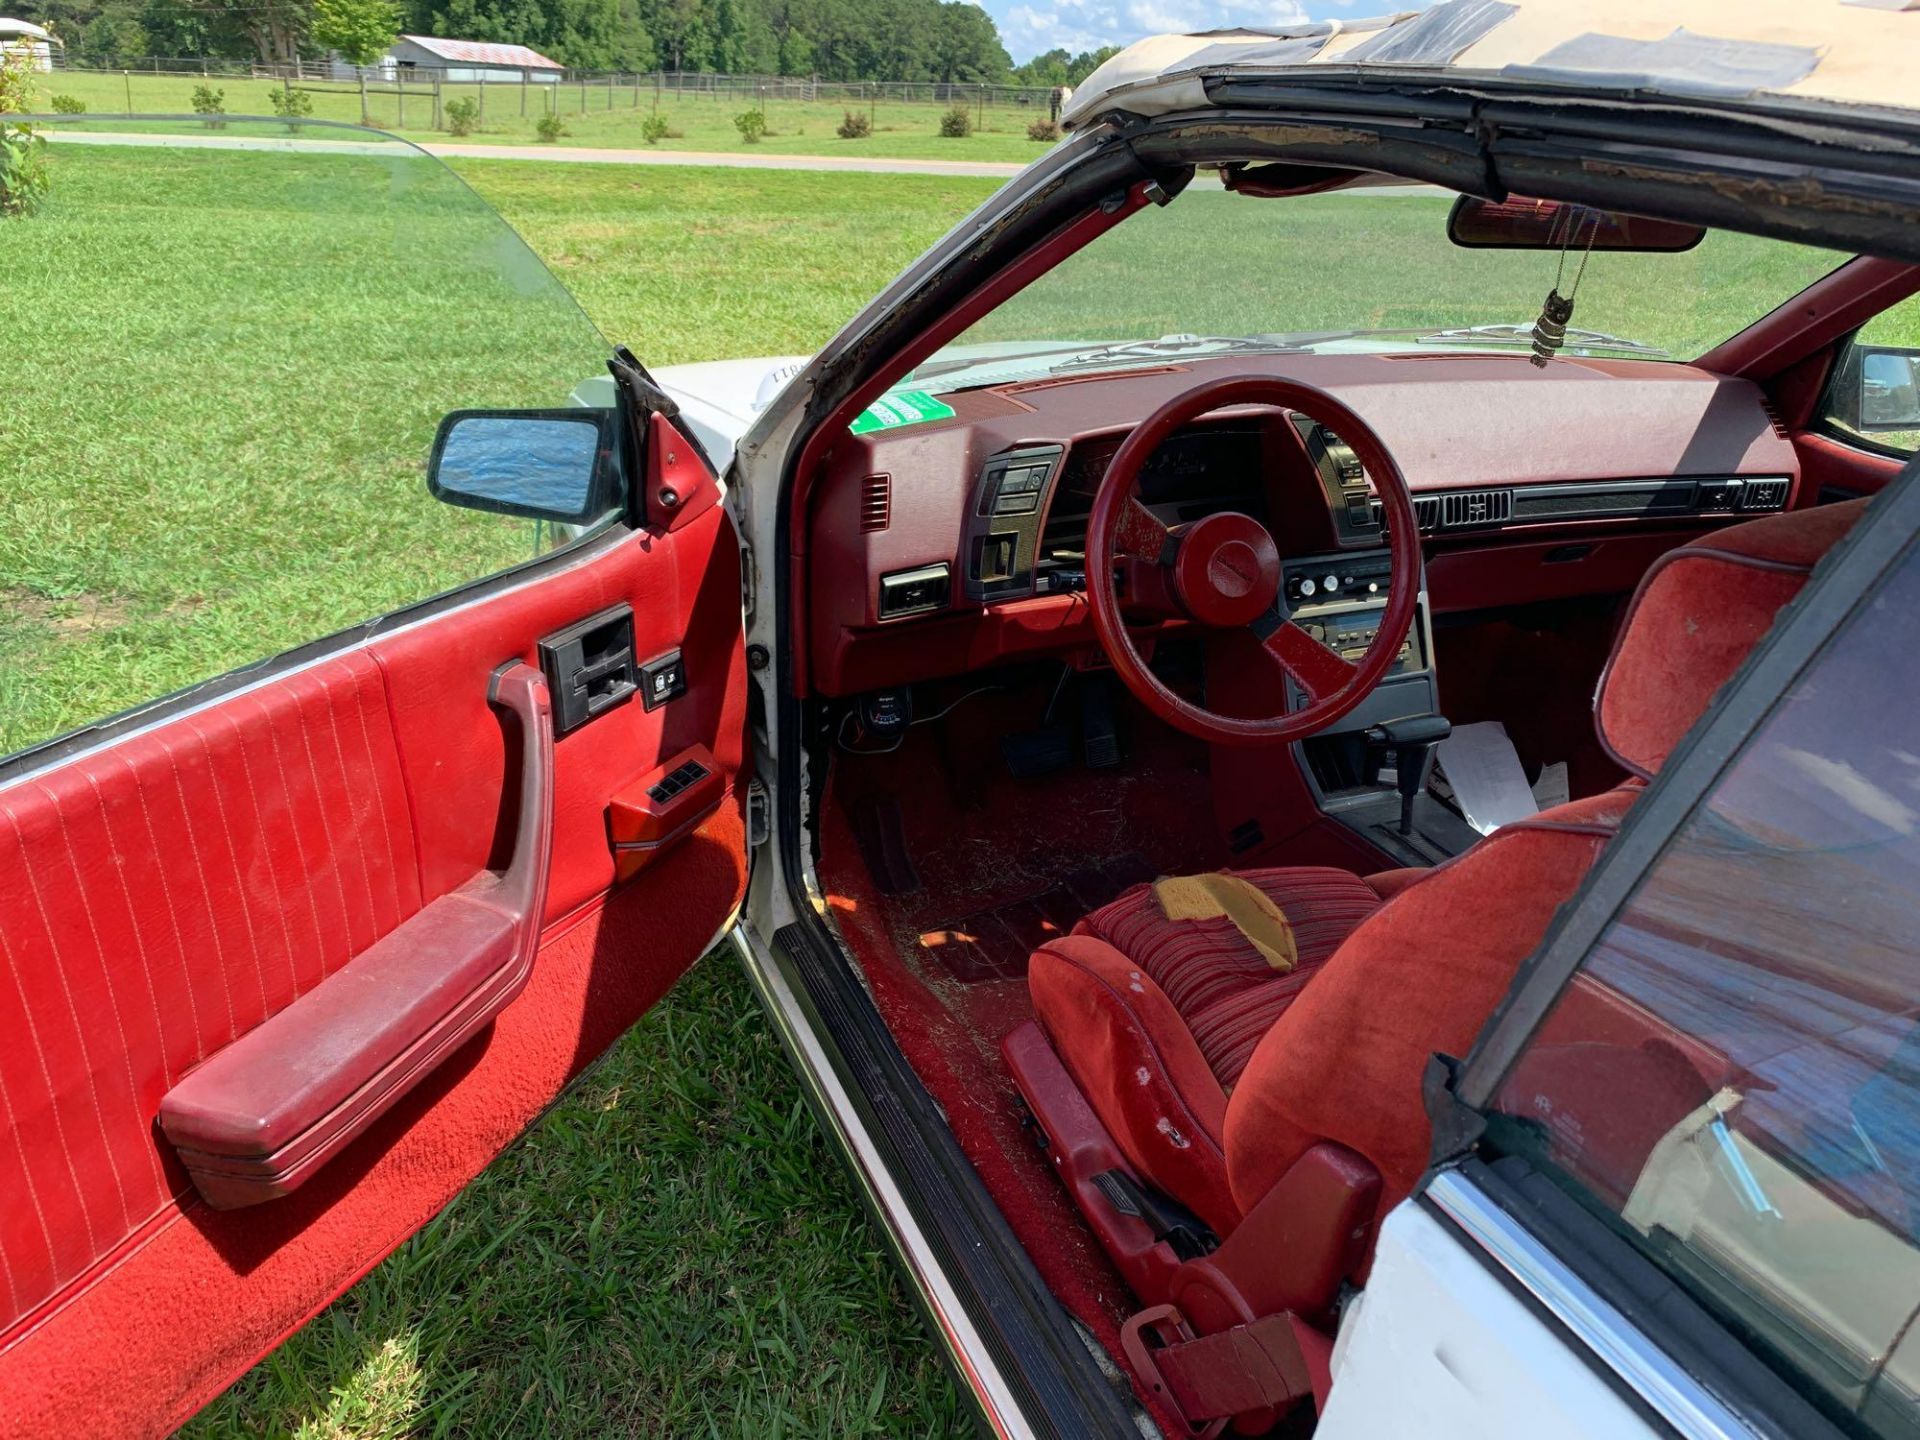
x,y
1734,1076
227,352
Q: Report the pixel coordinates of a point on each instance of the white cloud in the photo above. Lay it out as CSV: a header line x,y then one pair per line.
x,y
1080,25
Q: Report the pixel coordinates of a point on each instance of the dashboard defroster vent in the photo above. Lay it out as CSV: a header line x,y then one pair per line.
x,y
1460,509
876,503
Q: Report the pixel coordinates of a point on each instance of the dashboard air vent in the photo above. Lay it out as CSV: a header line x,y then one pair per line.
x,y
1768,493
876,503
1462,508
1426,513
1426,510
1773,416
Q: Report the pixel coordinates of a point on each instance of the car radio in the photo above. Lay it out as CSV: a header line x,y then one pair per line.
x,y
1340,599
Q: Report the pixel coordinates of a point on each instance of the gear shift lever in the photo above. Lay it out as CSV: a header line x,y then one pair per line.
x,y
1412,741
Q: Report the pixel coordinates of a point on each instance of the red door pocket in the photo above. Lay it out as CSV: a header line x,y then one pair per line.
x,y
661,807
257,1119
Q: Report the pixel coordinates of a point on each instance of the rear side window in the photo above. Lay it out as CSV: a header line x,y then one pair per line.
x,y
1873,397
1733,1078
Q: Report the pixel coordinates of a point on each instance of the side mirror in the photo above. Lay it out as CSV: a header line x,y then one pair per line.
x,y
1886,397
553,465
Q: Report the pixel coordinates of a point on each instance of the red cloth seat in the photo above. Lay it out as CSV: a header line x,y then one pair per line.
x,y
1214,1073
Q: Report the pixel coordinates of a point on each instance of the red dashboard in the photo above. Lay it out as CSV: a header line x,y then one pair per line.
x,y
949,545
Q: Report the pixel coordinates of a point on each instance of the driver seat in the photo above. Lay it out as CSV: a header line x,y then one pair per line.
x,y
1221,1081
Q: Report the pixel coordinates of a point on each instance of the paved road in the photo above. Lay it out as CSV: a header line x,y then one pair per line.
x,y
732,160
565,154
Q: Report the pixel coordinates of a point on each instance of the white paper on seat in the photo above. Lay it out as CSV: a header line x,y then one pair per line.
x,y
1552,787
1484,770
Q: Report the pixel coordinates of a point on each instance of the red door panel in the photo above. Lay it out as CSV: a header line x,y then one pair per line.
x,y
164,895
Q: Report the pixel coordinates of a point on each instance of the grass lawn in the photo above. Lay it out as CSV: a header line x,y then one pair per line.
x,y
596,117
225,369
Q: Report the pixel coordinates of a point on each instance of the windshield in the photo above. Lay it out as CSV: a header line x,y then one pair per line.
x,y
1356,270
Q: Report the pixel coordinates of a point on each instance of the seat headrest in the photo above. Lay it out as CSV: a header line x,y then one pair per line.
x,y
1697,615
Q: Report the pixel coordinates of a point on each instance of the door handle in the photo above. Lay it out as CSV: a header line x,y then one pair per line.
x,y
589,667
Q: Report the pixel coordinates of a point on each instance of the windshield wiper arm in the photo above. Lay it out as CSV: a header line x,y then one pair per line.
x,y
1577,339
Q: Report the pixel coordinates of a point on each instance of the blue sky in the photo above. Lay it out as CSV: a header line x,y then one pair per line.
x,y
1031,27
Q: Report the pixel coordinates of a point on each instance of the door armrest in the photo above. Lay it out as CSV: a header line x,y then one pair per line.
x,y
257,1119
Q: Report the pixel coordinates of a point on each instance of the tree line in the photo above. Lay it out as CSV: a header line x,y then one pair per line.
x,y
951,41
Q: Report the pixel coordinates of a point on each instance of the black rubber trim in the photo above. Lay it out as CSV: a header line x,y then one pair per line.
x,y
1054,1379
1672,1321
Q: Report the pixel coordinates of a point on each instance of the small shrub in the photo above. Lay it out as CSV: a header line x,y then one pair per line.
x,y
857,126
292,106
69,105
23,149
1045,131
957,123
751,124
550,127
463,115
654,129
212,104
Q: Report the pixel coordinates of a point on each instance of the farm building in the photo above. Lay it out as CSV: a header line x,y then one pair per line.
x,y
38,42
460,62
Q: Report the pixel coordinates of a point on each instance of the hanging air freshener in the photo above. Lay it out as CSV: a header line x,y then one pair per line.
x,y
1550,330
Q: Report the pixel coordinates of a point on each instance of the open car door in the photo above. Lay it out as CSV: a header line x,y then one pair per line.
x,y
288,958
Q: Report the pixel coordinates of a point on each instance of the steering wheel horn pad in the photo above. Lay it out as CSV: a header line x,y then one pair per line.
x,y
1224,570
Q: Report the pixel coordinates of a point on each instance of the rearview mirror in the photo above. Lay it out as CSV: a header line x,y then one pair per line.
x,y
541,464
1878,383
1517,223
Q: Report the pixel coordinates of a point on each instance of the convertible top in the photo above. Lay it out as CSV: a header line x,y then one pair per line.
x,y
1806,53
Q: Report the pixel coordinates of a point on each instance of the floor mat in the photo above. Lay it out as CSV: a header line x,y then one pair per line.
x,y
995,944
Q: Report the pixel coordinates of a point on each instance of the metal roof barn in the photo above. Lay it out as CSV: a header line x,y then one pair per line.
x,y
39,42
461,62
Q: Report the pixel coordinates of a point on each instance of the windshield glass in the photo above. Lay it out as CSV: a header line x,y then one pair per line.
x,y
1358,270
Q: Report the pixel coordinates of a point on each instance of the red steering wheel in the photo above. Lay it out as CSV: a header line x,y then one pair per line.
x,y
1223,571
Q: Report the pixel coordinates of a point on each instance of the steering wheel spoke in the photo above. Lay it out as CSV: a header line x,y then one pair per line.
x,y
1314,667
1139,535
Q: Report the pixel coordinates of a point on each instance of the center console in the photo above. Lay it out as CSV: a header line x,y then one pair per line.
x,y
1352,766
1340,601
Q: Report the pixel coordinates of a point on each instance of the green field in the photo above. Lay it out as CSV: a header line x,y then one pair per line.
x,y
227,368
599,115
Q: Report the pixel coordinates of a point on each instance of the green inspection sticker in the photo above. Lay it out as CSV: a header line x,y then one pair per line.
x,y
902,407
